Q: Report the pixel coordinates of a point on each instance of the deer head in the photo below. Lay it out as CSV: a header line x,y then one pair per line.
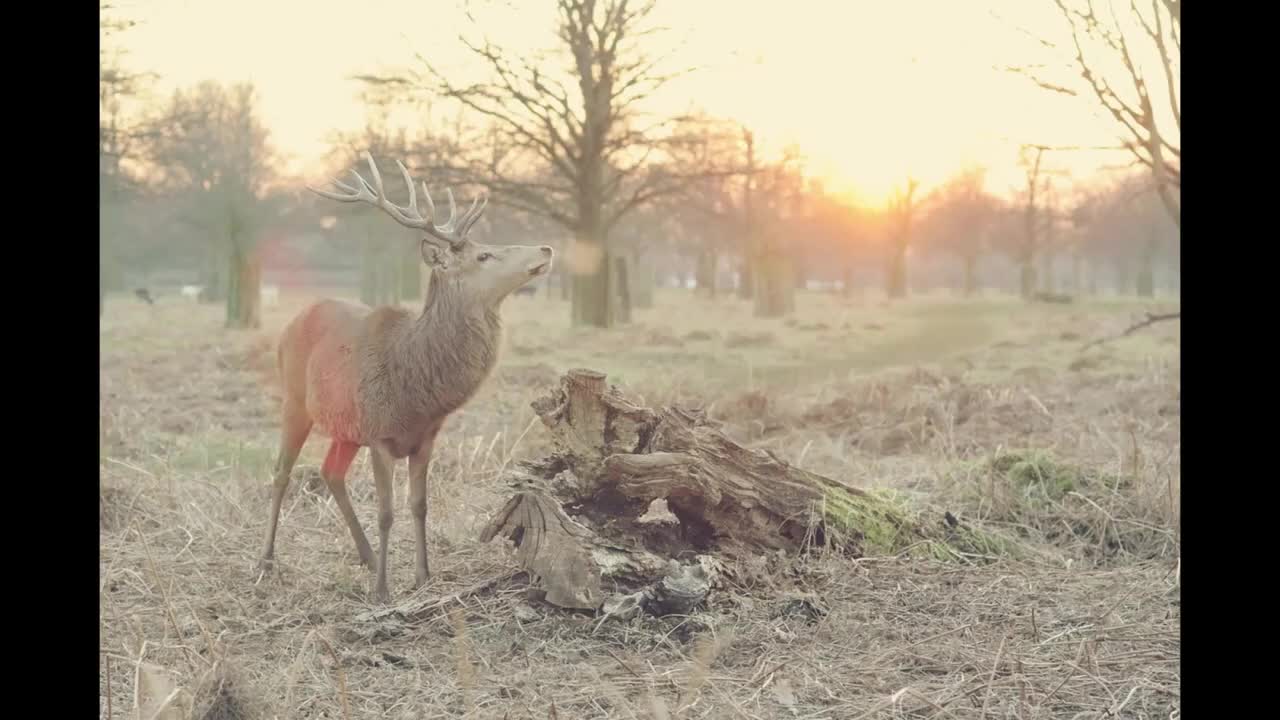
x,y
486,273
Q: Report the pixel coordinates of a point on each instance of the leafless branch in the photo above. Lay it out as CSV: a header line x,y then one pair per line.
x,y
577,150
1134,111
1151,319
661,184
1030,75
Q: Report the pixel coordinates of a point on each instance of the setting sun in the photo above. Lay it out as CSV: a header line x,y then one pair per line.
x,y
870,92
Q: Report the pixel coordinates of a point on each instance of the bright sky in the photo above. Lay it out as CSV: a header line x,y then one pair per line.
x,y
870,90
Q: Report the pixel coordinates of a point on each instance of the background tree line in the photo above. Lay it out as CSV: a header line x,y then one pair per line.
x,y
572,158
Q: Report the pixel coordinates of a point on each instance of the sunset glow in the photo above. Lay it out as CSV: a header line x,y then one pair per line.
x,y
871,92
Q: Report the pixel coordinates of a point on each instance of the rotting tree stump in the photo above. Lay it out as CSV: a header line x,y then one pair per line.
x,y
592,514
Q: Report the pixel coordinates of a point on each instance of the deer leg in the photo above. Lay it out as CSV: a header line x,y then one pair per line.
x,y
293,434
334,470
383,474
419,466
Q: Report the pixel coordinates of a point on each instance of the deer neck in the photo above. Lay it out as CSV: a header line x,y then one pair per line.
x,y
450,349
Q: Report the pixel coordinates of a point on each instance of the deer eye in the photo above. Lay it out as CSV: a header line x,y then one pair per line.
x,y
482,257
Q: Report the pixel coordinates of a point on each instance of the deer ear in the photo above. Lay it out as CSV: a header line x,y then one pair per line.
x,y
433,256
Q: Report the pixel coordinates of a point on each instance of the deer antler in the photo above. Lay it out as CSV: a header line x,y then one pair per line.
x,y
453,231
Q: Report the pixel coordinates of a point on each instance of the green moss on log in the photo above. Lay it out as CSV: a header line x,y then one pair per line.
x,y
886,522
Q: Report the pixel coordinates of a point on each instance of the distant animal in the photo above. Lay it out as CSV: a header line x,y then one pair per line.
x,y
144,295
270,296
386,378
192,292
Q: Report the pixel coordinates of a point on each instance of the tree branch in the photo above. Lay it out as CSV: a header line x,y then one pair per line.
x,y
1151,319
658,185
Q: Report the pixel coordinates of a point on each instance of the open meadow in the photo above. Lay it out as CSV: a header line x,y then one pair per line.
x,y
987,408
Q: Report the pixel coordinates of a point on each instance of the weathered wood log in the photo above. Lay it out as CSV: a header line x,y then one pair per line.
x,y
584,518
567,558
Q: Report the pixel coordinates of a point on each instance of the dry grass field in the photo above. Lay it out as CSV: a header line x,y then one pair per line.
x,y
987,408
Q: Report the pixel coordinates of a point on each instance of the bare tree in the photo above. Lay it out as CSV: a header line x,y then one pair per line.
x,y
900,215
836,235
1104,39
579,150
1127,226
640,237
960,217
214,155
1078,218
120,135
709,221
1051,235
1030,244
719,216
774,209
759,221
390,269
750,242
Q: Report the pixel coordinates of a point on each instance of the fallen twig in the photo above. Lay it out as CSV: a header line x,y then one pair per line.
x,y
1151,319
419,608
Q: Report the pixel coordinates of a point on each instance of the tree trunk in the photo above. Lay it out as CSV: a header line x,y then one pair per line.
x,y
596,301
591,292
213,279
1027,277
746,279
705,275
590,297
629,491
748,283
775,282
244,291
1124,279
896,284
1146,280
622,297
970,275
642,281
1046,271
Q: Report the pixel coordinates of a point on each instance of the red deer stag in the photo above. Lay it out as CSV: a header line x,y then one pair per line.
x,y
387,379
